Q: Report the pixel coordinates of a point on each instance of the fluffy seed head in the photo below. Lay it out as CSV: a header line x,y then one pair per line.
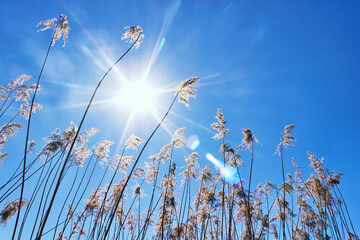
x,y
133,142
132,34
61,28
186,89
219,126
287,139
10,209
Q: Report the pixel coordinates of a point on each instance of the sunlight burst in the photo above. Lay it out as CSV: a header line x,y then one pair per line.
x,y
138,97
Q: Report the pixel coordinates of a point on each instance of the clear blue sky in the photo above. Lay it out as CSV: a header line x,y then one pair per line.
x,y
265,64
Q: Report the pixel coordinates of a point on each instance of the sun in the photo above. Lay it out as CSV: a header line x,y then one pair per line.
x,y
137,96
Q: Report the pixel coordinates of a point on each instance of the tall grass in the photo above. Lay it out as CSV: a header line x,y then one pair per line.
x,y
163,200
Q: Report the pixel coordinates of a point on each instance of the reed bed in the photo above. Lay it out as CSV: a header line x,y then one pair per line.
x,y
151,197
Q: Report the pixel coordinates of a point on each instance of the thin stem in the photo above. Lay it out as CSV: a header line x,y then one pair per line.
x,y
165,196
12,101
27,135
7,98
100,212
148,218
74,140
4,127
249,205
133,168
152,195
223,198
283,176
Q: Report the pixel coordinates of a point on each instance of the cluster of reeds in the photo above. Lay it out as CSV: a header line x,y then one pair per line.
x,y
154,198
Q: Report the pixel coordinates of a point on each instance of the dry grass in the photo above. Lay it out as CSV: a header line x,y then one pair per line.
x,y
163,201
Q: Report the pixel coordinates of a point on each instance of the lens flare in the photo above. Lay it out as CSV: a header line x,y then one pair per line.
x,y
193,142
161,45
212,159
230,174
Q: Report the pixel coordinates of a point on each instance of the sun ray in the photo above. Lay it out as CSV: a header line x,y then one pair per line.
x,y
192,122
104,61
132,95
124,133
161,38
164,125
69,85
84,104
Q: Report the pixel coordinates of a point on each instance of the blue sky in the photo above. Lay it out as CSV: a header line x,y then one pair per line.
x,y
264,64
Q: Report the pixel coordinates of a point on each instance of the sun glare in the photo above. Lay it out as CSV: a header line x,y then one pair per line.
x,y
138,97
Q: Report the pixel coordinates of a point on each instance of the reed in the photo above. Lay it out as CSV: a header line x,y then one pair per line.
x,y
162,196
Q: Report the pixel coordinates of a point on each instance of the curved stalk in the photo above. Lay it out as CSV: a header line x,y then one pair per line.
x,y
112,215
27,135
74,140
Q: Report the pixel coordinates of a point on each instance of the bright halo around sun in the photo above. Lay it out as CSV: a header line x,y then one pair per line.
x,y
138,97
